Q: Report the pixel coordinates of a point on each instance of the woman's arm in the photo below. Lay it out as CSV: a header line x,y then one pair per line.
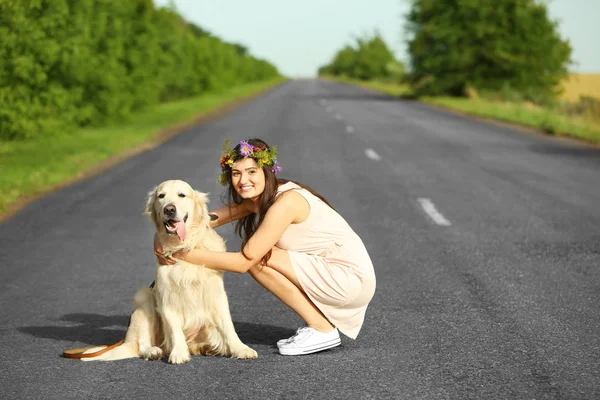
x,y
290,208
229,213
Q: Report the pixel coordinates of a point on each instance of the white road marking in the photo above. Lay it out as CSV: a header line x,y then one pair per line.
x,y
338,116
435,215
349,129
323,102
372,154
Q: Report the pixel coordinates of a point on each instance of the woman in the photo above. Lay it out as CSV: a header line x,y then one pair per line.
x,y
294,244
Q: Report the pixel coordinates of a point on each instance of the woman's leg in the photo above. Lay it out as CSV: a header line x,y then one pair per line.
x,y
279,278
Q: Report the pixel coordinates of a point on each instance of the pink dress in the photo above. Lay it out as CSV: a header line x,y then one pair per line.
x,y
331,263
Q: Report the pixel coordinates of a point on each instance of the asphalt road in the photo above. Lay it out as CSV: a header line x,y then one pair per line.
x,y
485,241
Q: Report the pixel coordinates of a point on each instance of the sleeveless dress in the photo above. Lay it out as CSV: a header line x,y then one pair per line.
x,y
331,263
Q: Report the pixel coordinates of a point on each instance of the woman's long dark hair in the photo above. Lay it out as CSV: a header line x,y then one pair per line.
x,y
246,226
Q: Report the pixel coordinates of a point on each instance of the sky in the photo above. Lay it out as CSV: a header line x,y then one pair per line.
x,y
300,36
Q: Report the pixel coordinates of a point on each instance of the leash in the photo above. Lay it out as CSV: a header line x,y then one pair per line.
x,y
81,352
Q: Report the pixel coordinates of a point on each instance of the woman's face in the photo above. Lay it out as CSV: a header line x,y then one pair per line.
x,y
247,178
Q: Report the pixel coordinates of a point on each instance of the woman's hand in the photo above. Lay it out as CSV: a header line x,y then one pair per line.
x,y
179,255
163,259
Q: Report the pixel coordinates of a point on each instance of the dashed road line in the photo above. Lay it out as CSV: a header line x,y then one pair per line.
x,y
430,209
372,154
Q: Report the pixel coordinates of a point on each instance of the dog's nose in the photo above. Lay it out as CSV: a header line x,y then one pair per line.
x,y
170,210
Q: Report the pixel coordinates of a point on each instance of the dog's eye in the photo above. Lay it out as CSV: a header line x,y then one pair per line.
x,y
162,195
181,195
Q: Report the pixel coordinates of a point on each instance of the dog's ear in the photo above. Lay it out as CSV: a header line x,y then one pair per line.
x,y
202,197
202,201
149,209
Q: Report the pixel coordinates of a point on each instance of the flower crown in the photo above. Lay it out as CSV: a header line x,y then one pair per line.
x,y
261,154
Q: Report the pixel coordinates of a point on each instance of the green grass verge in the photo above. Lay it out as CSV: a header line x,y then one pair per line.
x,y
32,167
547,120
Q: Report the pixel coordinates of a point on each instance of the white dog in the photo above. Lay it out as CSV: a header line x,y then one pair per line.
x,y
187,311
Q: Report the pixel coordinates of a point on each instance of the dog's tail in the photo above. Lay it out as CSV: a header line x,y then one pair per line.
x,y
126,350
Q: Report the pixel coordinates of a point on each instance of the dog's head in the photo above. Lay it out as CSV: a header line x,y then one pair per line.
x,y
176,209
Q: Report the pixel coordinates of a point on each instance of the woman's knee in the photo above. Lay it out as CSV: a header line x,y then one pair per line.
x,y
271,264
279,260
256,270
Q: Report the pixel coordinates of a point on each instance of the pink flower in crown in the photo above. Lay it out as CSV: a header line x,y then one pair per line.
x,y
246,148
275,168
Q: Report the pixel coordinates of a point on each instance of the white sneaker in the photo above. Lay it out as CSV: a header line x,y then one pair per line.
x,y
309,340
284,341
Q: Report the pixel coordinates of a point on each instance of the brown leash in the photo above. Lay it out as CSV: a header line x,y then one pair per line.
x,y
80,353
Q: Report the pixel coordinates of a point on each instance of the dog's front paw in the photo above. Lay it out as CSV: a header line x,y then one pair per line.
x,y
244,352
179,356
153,353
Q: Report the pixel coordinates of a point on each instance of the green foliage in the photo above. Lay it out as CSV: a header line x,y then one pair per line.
x,y
69,63
508,46
369,59
30,167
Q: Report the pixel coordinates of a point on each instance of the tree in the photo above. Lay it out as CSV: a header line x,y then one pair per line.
x,y
369,59
486,44
69,63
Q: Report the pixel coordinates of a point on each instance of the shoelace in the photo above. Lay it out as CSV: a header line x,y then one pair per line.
x,y
298,334
301,335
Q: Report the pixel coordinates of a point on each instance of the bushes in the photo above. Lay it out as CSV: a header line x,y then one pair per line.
x,y
69,63
370,59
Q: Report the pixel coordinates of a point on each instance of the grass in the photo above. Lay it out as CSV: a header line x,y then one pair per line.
x,y
33,167
549,120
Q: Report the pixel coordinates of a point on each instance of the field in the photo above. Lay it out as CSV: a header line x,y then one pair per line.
x,y
581,84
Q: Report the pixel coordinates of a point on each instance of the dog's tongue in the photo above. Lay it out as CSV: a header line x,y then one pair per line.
x,y
180,229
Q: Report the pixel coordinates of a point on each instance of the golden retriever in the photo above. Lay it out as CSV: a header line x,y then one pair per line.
x,y
187,311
